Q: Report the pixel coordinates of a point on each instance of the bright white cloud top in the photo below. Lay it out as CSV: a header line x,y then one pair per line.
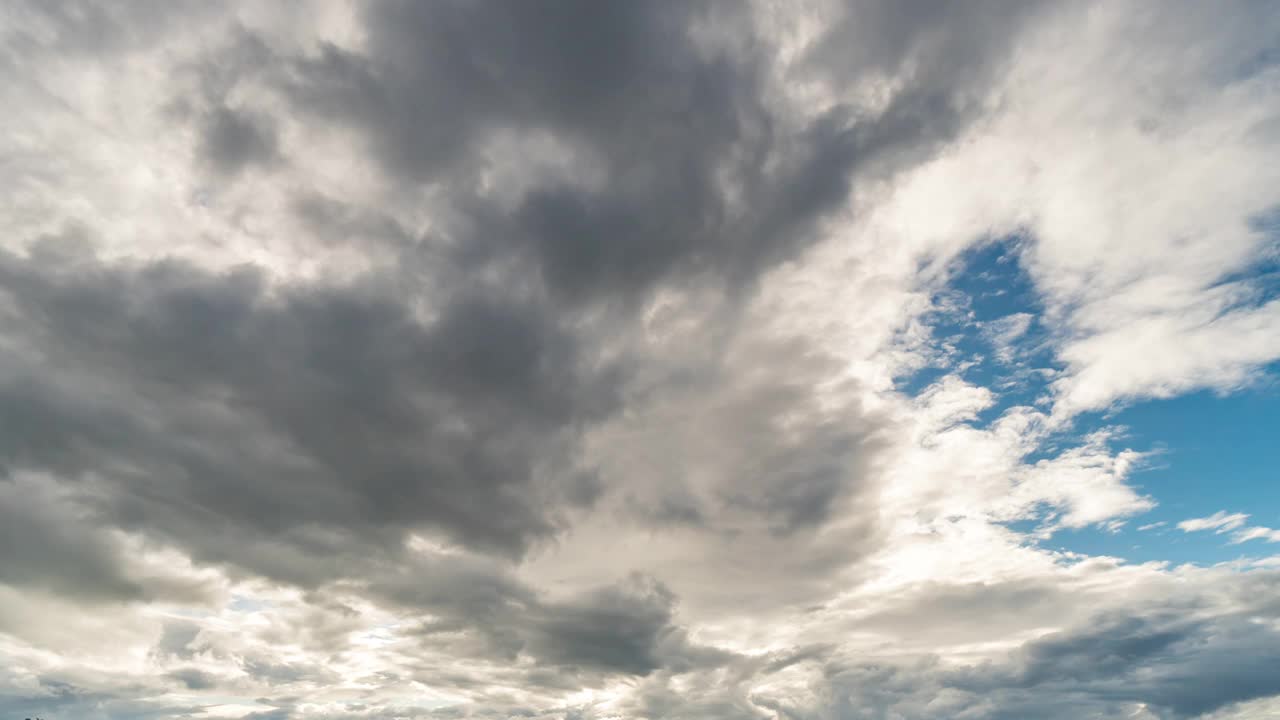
x,y
591,360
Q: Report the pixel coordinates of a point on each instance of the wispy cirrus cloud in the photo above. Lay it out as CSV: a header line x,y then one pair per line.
x,y
1222,523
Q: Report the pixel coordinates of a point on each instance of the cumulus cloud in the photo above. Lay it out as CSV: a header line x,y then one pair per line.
x,y
609,360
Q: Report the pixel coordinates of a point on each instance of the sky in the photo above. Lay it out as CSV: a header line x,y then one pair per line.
x,y
578,360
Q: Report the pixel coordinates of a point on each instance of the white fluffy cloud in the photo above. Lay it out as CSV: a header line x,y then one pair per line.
x,y
1234,523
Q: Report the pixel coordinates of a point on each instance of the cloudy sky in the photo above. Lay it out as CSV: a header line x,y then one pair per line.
x,y
719,360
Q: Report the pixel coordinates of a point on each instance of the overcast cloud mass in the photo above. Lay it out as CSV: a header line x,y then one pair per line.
x,y
586,360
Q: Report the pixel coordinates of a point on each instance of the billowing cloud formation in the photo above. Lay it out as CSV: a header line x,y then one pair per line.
x,y
624,360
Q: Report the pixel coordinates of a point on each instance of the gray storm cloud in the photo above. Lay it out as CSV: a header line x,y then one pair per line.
x,y
440,359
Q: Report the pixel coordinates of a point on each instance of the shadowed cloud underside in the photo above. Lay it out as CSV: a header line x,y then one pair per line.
x,y
616,360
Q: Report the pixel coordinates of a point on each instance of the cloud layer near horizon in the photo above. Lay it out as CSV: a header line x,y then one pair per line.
x,y
554,360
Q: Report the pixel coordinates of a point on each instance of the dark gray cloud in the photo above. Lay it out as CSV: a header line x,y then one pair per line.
x,y
404,438
1152,656
55,696
478,608
1187,667
233,140
50,541
58,552
312,420
1108,667
438,78
302,431
369,420
702,175
623,85
628,628
938,46
330,221
194,678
